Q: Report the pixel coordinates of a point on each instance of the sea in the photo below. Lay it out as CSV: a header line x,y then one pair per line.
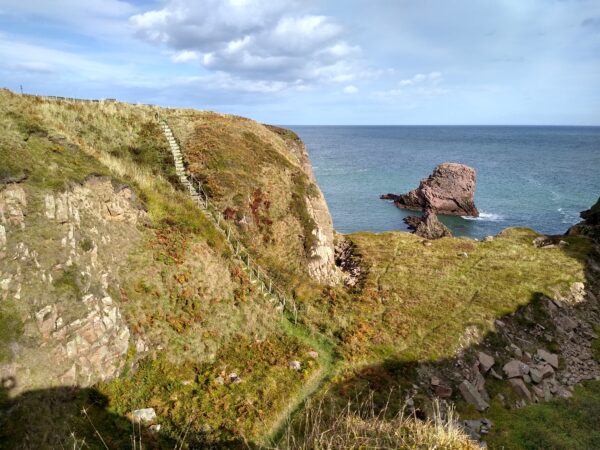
x,y
539,177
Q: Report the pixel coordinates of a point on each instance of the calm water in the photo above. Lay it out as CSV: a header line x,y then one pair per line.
x,y
539,177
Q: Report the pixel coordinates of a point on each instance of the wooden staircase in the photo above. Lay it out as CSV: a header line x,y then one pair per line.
x,y
256,275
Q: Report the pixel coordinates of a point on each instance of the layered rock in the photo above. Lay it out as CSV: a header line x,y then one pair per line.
x,y
449,190
58,264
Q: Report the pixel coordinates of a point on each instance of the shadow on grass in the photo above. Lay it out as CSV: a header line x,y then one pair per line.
x,y
71,417
65,417
569,421
53,418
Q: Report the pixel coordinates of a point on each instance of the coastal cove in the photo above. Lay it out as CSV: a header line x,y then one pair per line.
x,y
536,177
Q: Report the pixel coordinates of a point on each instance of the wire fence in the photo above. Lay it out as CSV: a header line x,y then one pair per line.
x,y
256,274
196,191
70,99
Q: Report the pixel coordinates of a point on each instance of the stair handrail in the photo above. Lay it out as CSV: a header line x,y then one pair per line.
x,y
238,248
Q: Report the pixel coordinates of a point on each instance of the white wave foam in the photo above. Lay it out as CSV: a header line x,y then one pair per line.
x,y
568,217
486,217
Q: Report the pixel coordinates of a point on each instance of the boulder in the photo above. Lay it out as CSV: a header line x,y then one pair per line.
x,y
442,391
590,226
548,357
546,371
296,365
485,361
519,387
450,190
472,395
515,368
428,226
144,415
536,375
234,378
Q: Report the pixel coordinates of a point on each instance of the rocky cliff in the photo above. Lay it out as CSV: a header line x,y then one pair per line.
x,y
107,264
321,264
61,259
120,297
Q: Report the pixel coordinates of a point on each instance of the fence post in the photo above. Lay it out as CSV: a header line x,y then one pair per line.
x,y
196,190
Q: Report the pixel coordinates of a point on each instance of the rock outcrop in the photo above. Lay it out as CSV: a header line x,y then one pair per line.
x,y
347,259
590,226
428,226
321,263
449,190
58,266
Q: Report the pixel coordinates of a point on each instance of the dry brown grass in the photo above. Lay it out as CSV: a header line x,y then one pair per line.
x,y
363,426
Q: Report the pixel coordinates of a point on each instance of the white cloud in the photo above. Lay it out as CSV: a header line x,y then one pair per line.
x,y
424,85
92,17
350,89
184,56
433,78
253,39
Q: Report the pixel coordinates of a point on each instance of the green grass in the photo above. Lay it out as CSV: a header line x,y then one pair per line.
x,y
328,366
47,165
559,424
417,300
188,396
11,328
149,149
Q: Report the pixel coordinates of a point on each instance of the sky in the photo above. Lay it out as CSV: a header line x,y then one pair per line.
x,y
336,62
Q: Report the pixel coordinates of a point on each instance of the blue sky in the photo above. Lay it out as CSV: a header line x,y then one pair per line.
x,y
316,62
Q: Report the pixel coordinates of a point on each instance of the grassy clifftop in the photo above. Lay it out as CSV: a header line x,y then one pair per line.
x,y
72,175
113,279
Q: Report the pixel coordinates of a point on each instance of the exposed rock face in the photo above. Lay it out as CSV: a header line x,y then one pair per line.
x,y
449,190
353,272
428,226
472,395
60,257
590,226
321,264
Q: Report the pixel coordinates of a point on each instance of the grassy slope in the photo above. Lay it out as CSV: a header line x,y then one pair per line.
x,y
572,424
415,305
418,300
180,291
248,170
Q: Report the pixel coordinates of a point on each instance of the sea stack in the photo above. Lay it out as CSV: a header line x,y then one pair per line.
x,y
449,190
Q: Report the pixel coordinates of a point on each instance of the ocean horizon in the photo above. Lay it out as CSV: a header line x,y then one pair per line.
x,y
536,176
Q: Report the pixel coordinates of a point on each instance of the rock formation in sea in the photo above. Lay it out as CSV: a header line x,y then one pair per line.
x,y
427,226
449,190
